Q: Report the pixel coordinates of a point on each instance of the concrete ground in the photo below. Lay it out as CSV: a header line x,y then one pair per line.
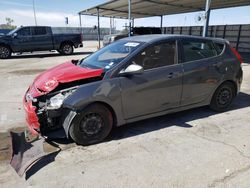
x,y
194,148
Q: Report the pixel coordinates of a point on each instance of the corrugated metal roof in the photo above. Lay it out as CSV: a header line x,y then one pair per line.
x,y
148,8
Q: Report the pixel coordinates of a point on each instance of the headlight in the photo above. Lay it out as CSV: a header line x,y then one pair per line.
x,y
56,101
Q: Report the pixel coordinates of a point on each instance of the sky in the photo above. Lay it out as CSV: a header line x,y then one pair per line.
x,y
53,13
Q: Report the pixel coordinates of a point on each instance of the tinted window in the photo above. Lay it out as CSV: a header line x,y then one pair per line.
x,y
219,47
39,31
146,30
141,31
157,56
198,50
24,31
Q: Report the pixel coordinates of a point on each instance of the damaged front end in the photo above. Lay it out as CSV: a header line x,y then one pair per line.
x,y
43,114
44,99
43,105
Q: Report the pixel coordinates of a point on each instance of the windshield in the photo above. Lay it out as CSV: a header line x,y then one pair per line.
x,y
12,31
109,56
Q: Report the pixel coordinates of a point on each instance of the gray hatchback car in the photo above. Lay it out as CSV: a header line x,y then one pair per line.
x,y
133,79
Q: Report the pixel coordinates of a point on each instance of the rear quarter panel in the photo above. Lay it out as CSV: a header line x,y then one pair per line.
x,y
233,67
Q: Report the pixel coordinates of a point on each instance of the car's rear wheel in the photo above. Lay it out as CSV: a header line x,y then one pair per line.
x,y
5,52
223,97
92,125
66,49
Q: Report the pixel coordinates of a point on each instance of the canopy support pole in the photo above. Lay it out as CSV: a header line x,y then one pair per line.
x,y
110,25
207,17
80,22
129,17
98,28
161,22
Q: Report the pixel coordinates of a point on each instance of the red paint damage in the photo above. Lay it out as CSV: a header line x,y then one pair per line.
x,y
64,73
31,117
48,81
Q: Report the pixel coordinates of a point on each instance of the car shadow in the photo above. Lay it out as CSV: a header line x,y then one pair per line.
x,y
44,55
179,119
40,164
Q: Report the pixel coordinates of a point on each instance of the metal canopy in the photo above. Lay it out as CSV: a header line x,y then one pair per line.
x,y
148,8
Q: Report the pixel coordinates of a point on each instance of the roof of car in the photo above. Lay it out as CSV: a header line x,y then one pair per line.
x,y
159,37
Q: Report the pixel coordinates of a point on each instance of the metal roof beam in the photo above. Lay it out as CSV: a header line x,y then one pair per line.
x,y
121,11
126,5
175,5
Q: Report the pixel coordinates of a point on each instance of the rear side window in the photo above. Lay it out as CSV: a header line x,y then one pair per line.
x,y
39,31
198,50
219,47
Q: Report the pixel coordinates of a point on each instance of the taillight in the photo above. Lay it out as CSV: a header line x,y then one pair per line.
x,y
238,56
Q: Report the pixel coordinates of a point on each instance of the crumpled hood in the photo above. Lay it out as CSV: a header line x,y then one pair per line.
x,y
63,73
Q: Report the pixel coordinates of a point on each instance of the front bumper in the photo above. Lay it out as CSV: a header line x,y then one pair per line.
x,y
31,117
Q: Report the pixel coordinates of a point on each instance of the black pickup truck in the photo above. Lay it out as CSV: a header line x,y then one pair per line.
x,y
37,38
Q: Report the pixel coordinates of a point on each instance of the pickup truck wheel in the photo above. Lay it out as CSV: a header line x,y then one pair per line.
x,y
66,49
91,125
5,52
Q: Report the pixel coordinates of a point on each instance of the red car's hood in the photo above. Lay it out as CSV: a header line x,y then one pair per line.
x,y
66,72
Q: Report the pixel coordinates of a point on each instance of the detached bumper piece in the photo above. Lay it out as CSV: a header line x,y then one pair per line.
x,y
25,154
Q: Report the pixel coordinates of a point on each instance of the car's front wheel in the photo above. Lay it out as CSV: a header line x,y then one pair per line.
x,y
92,125
223,97
5,52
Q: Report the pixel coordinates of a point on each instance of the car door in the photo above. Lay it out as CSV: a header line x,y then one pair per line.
x,y
22,40
42,38
200,63
159,87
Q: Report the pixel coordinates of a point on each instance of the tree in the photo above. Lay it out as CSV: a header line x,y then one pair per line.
x,y
8,24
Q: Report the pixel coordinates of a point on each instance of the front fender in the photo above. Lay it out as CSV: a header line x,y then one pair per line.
x,y
105,91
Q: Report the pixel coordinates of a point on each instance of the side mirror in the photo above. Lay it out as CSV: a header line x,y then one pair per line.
x,y
14,35
131,70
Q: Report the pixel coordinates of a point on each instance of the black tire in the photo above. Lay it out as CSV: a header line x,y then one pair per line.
x,y
223,97
66,49
5,52
92,125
